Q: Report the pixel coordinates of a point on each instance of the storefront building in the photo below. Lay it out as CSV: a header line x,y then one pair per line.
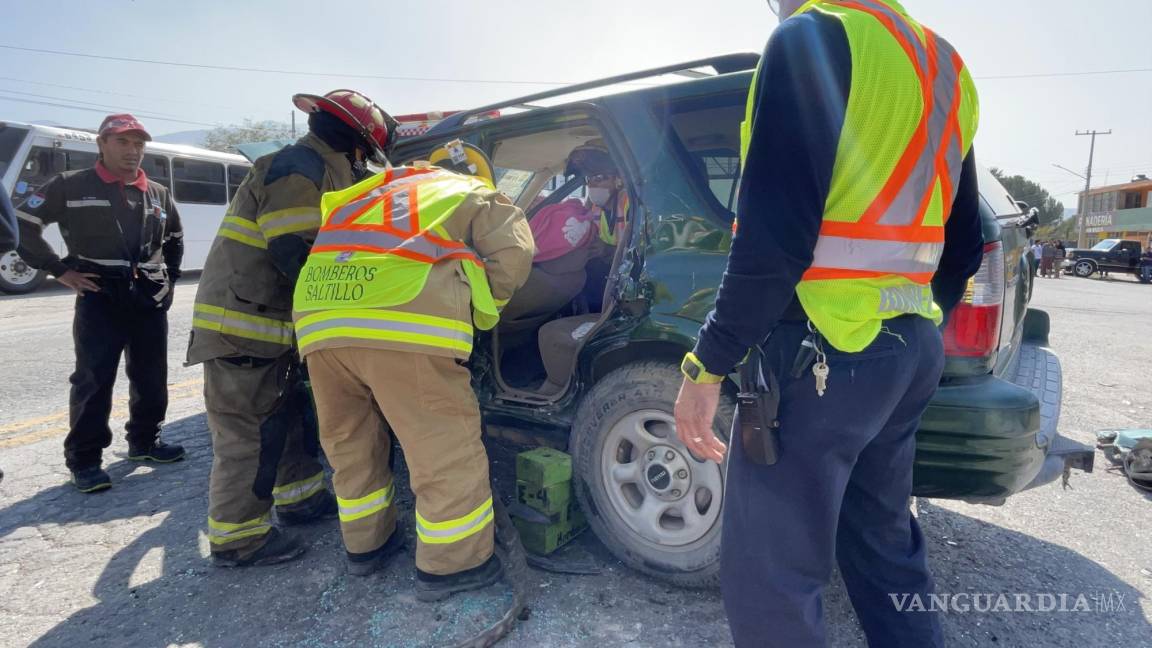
x,y
1119,212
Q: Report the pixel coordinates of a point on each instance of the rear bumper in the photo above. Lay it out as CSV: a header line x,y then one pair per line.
x,y
988,438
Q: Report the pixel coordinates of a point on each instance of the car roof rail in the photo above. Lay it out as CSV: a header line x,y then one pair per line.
x,y
722,64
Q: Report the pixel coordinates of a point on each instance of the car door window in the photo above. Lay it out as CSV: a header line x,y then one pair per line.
x,y
706,137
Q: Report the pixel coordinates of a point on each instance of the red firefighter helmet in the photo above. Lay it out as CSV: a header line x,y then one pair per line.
x,y
369,120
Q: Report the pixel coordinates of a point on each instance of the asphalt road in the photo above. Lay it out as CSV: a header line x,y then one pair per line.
x,y
128,567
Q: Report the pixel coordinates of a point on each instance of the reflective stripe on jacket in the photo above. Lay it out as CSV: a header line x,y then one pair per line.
x,y
404,261
244,302
911,117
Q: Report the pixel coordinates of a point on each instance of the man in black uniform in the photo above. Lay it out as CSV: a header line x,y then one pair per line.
x,y
124,249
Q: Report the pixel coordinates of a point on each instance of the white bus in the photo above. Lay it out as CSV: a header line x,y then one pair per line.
x,y
201,182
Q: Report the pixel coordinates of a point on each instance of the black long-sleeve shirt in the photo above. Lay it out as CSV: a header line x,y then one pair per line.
x,y
106,225
799,111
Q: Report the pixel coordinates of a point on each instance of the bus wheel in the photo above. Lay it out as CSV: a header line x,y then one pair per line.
x,y
17,277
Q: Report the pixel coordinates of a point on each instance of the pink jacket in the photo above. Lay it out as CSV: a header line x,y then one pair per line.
x,y
563,228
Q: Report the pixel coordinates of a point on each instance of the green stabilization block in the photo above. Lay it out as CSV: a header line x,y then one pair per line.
x,y
550,517
543,539
543,467
549,500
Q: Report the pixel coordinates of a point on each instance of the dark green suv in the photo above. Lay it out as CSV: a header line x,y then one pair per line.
x,y
608,386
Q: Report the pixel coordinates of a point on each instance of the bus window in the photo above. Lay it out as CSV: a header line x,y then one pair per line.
x,y
196,181
11,138
236,175
41,164
77,160
156,168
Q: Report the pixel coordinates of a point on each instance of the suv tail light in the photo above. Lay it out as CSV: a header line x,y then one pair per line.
x,y
974,327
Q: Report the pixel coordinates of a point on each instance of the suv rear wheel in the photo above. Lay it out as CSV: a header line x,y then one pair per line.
x,y
655,506
1084,268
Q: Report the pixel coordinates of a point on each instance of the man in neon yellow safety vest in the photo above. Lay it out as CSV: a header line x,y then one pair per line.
x,y
407,266
858,229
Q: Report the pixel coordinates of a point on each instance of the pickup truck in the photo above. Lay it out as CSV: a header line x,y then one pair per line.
x,y
1109,255
607,389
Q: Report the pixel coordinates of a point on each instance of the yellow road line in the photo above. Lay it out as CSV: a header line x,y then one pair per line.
x,y
186,389
27,423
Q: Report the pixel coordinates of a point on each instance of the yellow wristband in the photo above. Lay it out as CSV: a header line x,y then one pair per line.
x,y
695,372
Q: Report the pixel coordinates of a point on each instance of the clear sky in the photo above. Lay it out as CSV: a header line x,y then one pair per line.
x,y
1027,123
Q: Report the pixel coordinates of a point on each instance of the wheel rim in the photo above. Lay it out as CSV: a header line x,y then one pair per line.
x,y
15,270
663,495
1084,269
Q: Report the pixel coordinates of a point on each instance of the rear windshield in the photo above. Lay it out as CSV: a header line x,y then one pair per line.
x,y
11,137
995,195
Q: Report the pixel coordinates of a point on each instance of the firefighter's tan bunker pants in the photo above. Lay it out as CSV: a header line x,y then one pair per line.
x,y
428,402
238,398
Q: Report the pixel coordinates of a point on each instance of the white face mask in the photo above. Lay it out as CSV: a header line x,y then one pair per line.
x,y
599,196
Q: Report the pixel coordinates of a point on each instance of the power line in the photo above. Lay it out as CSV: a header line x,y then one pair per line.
x,y
84,103
1042,75
117,94
234,68
102,111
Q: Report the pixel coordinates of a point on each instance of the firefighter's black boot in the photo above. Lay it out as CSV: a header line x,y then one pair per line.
x,y
278,548
433,587
319,507
365,564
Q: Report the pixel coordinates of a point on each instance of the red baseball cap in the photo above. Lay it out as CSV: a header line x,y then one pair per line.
x,y
124,123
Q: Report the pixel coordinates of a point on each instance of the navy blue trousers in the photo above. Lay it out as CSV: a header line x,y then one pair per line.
x,y
838,492
108,325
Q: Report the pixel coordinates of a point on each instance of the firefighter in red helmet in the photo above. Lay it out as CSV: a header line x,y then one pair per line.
x,y
259,415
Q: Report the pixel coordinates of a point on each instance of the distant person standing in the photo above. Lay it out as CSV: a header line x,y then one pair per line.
x,y
1061,254
125,244
1037,252
1047,258
1145,273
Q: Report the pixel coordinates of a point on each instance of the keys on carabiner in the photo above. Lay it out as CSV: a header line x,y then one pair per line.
x,y
821,371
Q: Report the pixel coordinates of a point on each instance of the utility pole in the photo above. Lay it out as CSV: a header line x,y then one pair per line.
x,y
293,124
1082,240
